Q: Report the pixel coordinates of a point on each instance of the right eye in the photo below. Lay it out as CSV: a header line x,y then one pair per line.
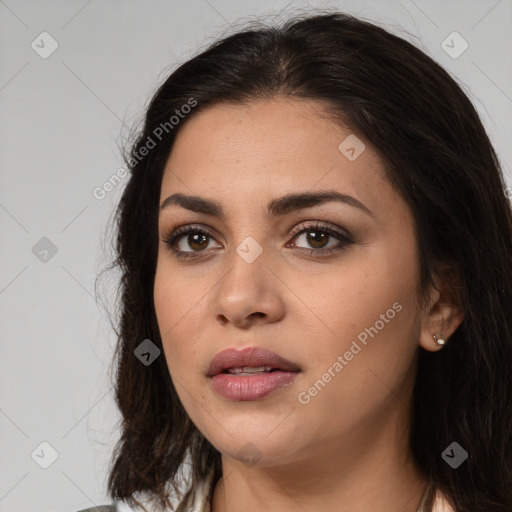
x,y
195,237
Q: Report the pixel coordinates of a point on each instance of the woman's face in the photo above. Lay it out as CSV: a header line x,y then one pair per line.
x,y
337,300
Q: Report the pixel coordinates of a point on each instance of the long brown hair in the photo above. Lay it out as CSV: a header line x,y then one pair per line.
x,y
438,157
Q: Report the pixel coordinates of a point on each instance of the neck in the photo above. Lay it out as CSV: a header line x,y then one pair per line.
x,y
355,495
373,471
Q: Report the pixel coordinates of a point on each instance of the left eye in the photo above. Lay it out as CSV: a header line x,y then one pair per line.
x,y
316,237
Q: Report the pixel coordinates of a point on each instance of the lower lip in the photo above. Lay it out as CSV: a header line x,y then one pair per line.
x,y
250,387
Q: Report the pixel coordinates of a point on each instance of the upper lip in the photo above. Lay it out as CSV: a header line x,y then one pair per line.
x,y
251,356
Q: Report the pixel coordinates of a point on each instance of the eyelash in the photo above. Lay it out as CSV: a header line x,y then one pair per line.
x,y
171,237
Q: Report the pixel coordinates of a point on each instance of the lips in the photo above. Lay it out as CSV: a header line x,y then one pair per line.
x,y
252,357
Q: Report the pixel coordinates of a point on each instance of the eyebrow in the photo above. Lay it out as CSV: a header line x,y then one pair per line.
x,y
275,208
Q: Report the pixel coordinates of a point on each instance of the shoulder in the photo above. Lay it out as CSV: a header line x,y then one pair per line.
x,y
100,508
199,499
441,504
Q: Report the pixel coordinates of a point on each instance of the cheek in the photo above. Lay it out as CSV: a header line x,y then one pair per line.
x,y
369,328
176,299
174,310
180,307
355,377
373,325
171,305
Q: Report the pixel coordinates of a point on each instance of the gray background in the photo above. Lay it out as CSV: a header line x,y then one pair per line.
x,y
61,119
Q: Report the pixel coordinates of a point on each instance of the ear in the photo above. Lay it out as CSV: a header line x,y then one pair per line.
x,y
442,317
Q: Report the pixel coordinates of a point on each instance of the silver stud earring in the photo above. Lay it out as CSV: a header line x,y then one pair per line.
x,y
440,340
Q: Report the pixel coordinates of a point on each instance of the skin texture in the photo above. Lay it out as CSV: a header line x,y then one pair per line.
x,y
347,448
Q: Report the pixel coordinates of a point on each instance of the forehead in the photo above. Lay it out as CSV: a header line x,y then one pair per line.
x,y
272,147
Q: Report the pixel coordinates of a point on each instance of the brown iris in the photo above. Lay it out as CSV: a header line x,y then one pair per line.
x,y
317,237
198,241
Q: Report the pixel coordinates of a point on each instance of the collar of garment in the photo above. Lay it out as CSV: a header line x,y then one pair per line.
x,y
199,499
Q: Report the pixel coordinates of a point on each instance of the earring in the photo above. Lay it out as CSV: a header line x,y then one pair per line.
x,y
440,340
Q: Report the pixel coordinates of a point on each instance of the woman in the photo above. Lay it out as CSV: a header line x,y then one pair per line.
x,y
315,246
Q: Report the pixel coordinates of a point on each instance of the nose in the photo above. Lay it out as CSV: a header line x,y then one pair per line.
x,y
249,292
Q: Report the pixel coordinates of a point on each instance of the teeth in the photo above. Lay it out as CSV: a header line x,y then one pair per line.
x,y
249,369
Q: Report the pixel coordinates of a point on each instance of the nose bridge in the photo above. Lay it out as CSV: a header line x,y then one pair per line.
x,y
247,261
249,236
248,287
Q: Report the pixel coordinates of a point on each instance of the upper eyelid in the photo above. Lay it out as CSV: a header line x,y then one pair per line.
x,y
298,229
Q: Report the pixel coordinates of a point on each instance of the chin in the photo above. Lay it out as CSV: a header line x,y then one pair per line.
x,y
258,448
